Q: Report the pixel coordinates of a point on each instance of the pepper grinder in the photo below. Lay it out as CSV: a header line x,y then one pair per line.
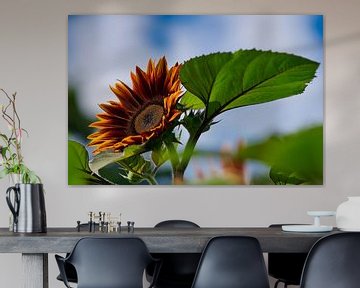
x,y
78,226
90,221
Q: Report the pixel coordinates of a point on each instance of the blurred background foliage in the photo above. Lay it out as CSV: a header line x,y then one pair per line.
x,y
78,122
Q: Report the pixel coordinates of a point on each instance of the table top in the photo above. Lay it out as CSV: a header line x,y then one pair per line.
x,y
158,240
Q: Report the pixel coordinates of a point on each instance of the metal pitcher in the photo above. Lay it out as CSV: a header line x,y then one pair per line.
x,y
28,207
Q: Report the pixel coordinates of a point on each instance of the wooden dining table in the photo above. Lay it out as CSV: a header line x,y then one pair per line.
x,y
35,247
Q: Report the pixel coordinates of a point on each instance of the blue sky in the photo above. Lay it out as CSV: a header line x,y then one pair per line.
x,y
104,48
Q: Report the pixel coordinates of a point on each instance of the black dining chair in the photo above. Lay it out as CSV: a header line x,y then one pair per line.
x,y
285,267
70,271
232,262
108,263
333,262
178,269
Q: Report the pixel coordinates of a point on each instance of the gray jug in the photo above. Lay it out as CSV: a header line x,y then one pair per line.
x,y
28,208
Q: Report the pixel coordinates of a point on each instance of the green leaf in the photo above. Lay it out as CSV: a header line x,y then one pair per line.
x,y
137,168
32,177
27,175
79,172
190,101
298,155
268,77
105,158
113,173
159,155
193,120
3,151
226,81
198,74
4,137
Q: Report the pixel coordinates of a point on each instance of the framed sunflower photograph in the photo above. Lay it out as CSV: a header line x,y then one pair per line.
x,y
195,100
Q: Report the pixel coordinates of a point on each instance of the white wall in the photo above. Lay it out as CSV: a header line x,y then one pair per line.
x,y
33,62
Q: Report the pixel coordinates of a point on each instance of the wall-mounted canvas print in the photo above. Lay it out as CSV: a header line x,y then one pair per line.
x,y
195,99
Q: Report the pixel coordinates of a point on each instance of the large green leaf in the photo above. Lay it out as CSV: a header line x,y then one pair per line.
x,y
79,172
105,158
198,74
297,157
190,101
224,81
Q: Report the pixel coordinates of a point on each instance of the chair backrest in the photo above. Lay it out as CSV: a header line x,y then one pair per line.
x,y
110,262
333,262
176,224
232,262
178,269
286,267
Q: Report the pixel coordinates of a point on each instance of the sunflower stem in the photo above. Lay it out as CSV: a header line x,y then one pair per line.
x,y
173,154
151,179
178,176
188,152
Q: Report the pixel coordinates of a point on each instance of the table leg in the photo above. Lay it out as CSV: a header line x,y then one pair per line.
x,y
35,270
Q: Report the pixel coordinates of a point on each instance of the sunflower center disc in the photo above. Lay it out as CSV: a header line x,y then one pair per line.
x,y
149,118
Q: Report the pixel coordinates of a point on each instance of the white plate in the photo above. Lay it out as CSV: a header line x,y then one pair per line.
x,y
306,228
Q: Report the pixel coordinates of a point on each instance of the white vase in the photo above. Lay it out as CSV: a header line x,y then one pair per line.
x,y
13,179
348,214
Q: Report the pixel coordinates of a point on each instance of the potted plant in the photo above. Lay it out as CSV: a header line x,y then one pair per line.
x,y
25,197
11,159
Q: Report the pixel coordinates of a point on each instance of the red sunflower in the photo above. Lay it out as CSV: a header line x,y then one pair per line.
x,y
140,113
